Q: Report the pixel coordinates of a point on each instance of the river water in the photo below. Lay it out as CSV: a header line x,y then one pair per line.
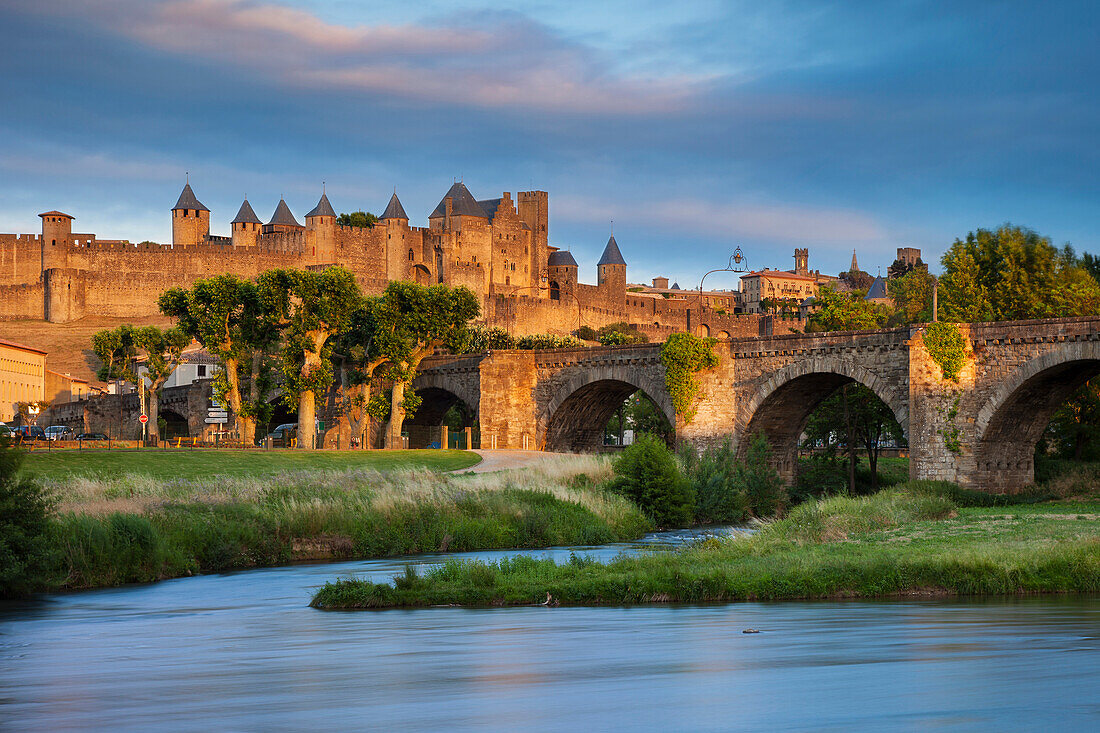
x,y
243,651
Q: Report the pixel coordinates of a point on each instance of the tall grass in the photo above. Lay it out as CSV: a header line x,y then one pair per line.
x,y
900,541
135,528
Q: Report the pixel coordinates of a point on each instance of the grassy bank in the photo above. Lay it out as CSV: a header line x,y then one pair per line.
x,y
204,464
135,528
916,539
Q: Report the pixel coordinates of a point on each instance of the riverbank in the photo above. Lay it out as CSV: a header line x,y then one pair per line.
x,y
917,540
137,528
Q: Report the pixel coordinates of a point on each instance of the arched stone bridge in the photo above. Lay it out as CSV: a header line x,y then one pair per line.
x,y
980,432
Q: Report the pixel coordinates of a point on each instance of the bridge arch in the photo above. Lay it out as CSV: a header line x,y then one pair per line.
x,y
780,407
578,411
438,395
1012,420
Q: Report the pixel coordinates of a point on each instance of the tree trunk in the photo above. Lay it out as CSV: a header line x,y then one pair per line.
x,y
849,442
397,417
152,431
248,433
307,420
233,394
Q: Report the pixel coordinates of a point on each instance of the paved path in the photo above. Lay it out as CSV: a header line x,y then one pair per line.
x,y
503,460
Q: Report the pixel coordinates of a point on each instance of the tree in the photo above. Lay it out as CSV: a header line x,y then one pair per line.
x,y
25,508
412,321
361,219
357,356
857,279
853,416
119,351
845,312
1074,428
912,296
1014,273
162,350
310,307
227,316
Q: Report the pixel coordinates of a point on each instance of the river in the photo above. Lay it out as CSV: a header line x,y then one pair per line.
x,y
243,651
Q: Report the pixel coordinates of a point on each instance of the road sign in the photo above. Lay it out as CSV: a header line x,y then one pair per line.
x,y
217,413
216,420
144,419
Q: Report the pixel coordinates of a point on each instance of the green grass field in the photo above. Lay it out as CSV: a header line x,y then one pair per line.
x,y
185,464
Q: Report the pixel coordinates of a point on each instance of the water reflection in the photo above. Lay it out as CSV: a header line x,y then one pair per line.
x,y
242,651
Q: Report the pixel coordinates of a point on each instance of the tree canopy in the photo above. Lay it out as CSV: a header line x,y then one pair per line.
x,y
361,219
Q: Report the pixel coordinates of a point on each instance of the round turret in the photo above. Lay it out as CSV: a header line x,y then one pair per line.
x,y
190,220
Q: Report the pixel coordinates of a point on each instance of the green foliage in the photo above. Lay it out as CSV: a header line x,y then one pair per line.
x,y
378,406
361,219
25,507
729,490
116,352
947,347
1014,273
613,334
1074,430
547,341
683,356
647,474
846,311
483,338
641,415
912,297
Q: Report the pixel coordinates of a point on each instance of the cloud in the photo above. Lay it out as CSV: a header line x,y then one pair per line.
x,y
484,60
774,222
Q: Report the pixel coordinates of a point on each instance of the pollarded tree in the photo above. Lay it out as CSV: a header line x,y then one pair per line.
x,y
162,349
357,356
227,316
124,351
115,349
310,307
412,321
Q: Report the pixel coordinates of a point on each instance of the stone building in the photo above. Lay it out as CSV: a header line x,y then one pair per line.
x,y
22,377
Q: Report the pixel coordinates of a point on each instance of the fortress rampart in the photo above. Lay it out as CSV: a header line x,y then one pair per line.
x,y
497,247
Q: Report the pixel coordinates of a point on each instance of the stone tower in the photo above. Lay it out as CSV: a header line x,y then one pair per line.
x,y
533,208
190,219
802,261
321,231
611,270
57,235
396,222
562,273
246,226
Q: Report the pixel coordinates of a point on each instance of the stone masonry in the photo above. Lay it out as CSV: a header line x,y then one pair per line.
x,y
980,432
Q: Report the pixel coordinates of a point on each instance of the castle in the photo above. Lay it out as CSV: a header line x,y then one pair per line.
x,y
497,247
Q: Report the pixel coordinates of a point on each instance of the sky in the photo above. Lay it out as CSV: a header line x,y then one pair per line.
x,y
687,128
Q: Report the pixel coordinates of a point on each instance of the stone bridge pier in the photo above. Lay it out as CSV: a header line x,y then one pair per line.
x,y
980,432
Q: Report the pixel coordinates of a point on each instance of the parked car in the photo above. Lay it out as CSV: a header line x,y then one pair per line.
x,y
31,432
280,436
59,432
92,436
6,432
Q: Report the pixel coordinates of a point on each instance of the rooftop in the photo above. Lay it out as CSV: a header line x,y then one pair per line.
x,y
463,203
187,200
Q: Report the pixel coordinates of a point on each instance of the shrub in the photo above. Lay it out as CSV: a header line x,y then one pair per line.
x,y
719,497
729,490
647,474
547,341
24,524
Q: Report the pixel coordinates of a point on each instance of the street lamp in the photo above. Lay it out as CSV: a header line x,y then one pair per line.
x,y
734,265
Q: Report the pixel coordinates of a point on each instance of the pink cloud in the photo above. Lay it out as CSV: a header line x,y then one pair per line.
x,y
504,65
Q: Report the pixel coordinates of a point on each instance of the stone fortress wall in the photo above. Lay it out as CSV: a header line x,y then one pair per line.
x,y
499,248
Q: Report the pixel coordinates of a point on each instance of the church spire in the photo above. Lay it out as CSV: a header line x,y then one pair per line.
x,y
855,263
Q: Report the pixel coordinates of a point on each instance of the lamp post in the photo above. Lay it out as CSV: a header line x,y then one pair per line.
x,y
733,265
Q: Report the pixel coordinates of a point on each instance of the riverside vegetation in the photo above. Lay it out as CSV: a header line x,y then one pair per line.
x,y
101,530
914,538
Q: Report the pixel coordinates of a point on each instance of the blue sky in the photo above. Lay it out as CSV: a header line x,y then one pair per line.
x,y
695,126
